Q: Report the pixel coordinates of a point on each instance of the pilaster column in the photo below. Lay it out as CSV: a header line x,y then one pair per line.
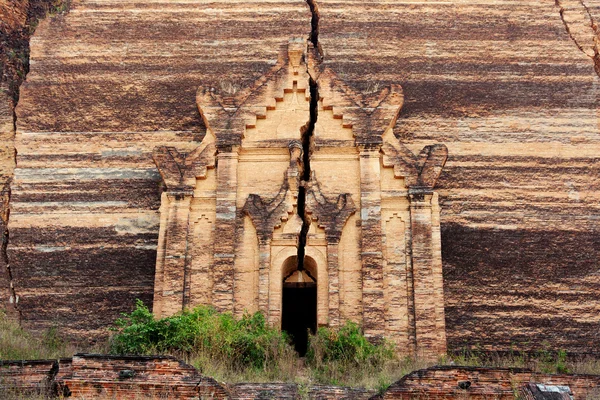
x,y
169,298
371,237
225,230
264,270
179,171
333,271
426,293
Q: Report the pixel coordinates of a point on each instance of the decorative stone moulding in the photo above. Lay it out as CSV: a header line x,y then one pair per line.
x,y
237,210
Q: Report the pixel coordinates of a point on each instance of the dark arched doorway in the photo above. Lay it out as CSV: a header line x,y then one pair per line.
x,y
299,302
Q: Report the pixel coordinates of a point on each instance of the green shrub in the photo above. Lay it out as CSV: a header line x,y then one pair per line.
x,y
247,349
202,333
347,345
346,355
552,362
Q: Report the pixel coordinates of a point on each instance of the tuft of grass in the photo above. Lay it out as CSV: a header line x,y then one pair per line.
x,y
345,357
545,360
18,344
585,365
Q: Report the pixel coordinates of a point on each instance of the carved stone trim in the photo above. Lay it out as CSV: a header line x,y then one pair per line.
x,y
331,214
179,170
369,114
266,214
228,114
420,172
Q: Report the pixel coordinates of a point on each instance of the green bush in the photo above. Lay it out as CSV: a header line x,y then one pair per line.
x,y
348,345
245,343
346,355
247,349
552,362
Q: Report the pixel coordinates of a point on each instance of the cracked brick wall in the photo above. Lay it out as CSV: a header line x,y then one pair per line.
x,y
100,376
507,88
95,376
515,100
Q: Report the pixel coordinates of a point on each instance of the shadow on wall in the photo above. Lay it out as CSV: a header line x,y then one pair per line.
x,y
520,288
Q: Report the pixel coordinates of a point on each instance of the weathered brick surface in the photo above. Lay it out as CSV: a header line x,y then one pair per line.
x,y
514,99
98,376
26,376
510,90
34,377
483,383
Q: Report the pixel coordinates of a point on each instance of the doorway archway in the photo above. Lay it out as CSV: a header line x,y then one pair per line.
x,y
299,301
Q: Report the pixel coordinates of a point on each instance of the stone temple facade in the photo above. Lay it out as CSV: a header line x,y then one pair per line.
x,y
282,176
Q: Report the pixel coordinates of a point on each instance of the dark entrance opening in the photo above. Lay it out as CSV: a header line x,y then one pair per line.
x,y
299,304
299,313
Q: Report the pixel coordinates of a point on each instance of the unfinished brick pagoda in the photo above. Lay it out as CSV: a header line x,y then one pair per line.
x,y
290,157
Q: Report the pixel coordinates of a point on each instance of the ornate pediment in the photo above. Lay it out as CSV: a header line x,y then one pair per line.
x,y
419,171
369,114
179,170
329,212
228,112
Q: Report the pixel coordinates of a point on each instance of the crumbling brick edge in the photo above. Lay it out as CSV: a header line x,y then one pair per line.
x,y
108,376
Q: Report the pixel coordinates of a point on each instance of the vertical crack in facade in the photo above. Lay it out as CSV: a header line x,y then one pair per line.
x,y
15,67
314,22
307,137
21,22
582,28
13,297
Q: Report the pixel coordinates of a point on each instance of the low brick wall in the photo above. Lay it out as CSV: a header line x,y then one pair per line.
x,y
26,376
33,377
93,376
482,383
133,377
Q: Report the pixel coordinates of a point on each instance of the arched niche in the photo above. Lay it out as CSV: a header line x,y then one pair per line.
x,y
283,259
299,300
291,275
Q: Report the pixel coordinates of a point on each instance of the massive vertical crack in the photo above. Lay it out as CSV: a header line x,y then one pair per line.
x,y
307,136
314,22
13,297
581,28
18,25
